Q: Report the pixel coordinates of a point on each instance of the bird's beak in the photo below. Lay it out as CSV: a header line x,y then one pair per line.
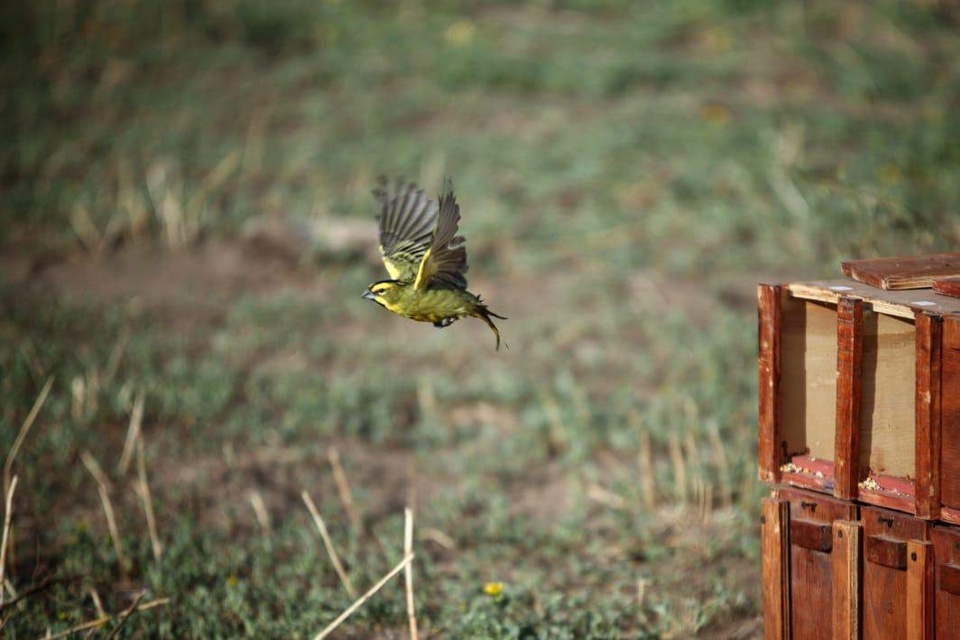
x,y
367,295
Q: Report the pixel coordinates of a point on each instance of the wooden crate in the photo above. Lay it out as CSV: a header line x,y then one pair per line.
x,y
810,566
850,392
946,551
897,576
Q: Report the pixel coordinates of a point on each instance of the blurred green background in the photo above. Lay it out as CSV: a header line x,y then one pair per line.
x,y
186,226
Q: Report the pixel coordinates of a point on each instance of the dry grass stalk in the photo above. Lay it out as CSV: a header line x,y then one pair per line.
x,y
147,497
98,603
22,435
261,513
679,467
648,481
99,622
125,616
441,538
116,355
344,578
408,572
362,599
103,489
133,434
343,490
7,519
693,452
605,497
720,453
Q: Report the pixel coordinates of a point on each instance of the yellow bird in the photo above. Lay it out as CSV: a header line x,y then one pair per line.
x,y
425,258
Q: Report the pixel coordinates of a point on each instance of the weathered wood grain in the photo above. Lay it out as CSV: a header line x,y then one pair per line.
x,y
775,568
919,590
769,451
950,414
906,272
849,397
846,580
946,552
927,479
947,287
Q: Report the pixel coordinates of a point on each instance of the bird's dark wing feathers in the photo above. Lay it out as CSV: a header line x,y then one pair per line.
x,y
445,261
407,222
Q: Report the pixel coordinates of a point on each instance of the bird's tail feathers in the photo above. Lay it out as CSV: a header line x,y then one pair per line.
x,y
485,314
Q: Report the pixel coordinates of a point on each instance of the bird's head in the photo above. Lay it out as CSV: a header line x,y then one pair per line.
x,y
384,292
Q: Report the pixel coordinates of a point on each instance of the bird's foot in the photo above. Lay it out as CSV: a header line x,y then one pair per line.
x,y
446,322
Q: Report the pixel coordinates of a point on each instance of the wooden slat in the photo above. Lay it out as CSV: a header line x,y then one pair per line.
x,y
927,488
950,414
846,580
900,304
947,287
919,590
815,536
775,546
907,272
769,454
849,394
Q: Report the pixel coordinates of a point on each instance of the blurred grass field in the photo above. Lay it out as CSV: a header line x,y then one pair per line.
x,y
627,171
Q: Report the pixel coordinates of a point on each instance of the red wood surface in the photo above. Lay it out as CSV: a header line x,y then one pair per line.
x,y
907,272
849,392
927,482
889,492
919,590
775,568
884,586
950,416
811,564
769,451
947,287
847,537
946,551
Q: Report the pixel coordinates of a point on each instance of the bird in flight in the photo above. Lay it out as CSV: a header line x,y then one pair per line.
x,y
425,258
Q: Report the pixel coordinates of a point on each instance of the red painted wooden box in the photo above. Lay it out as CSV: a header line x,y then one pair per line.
x,y
851,392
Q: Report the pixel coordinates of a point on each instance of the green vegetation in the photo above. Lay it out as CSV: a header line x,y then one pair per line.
x,y
628,172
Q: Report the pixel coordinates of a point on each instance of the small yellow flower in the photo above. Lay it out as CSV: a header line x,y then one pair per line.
x,y
232,580
493,589
460,33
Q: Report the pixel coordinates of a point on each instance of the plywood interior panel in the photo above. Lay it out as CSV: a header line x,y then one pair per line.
x,y
888,413
808,382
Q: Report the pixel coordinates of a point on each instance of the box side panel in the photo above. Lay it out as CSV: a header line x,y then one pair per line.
x,y
808,384
946,551
950,413
888,413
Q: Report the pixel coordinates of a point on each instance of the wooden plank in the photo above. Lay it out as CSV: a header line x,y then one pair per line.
x,y
849,395
775,569
884,586
950,414
901,304
816,536
947,287
946,553
769,450
846,580
919,590
927,483
905,272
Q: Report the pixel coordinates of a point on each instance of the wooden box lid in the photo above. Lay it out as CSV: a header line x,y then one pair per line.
x,y
907,272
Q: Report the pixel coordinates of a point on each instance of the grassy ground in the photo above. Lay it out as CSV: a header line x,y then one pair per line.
x,y
627,174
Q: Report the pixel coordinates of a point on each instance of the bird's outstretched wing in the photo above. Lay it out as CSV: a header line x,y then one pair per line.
x,y
445,261
407,222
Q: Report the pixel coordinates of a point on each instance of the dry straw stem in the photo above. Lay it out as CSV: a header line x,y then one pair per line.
x,y
343,490
721,455
21,436
126,614
408,572
133,433
7,518
103,490
99,622
648,486
260,511
147,497
344,578
679,467
362,599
